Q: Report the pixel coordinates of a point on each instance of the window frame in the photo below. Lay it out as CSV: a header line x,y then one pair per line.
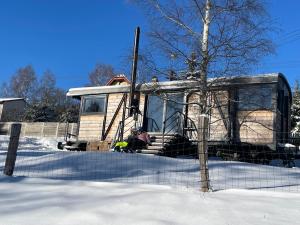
x,y
85,98
259,107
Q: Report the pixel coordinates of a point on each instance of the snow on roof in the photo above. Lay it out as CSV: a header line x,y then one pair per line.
x,y
10,99
120,78
177,84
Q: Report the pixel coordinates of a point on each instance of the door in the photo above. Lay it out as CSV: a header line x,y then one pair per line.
x,y
160,110
174,108
155,112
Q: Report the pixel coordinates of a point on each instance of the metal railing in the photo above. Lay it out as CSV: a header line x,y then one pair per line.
x,y
295,139
152,125
119,135
179,123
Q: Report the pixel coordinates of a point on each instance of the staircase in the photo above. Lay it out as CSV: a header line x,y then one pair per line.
x,y
178,137
157,146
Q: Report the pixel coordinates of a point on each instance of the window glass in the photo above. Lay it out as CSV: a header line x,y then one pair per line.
x,y
254,98
94,105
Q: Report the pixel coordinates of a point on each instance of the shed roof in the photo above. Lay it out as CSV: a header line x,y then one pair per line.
x,y
178,85
10,99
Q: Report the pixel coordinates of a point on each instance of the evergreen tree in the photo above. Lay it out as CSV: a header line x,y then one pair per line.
x,y
295,110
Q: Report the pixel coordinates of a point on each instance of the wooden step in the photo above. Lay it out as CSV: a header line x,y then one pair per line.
x,y
156,143
155,147
160,138
148,151
161,134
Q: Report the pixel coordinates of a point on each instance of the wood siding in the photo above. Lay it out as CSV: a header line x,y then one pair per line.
x,y
254,127
91,126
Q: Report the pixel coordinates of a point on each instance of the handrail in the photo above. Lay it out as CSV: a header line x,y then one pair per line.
x,y
181,122
123,100
117,134
68,135
153,122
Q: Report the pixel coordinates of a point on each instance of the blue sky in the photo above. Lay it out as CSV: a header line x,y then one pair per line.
x,y
70,36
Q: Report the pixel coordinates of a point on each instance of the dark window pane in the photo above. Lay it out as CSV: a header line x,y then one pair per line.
x,y
94,105
254,98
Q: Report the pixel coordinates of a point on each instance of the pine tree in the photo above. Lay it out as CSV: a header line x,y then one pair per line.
x,y
295,110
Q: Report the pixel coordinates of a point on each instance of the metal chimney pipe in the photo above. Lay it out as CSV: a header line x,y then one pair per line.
x,y
134,69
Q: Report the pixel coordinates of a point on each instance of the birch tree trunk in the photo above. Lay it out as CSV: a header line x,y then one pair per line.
x,y
202,115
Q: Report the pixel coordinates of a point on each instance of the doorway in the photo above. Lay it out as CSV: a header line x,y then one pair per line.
x,y
163,111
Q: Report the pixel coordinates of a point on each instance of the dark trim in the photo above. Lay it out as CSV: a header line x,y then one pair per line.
x,y
233,120
145,118
280,75
275,94
79,118
104,119
93,97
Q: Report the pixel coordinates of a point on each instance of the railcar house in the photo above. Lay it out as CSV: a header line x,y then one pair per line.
x,y
243,109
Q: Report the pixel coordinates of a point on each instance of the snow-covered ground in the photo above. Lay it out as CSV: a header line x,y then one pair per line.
x,y
73,197
35,201
39,158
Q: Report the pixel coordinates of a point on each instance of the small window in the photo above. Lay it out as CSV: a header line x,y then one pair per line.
x,y
94,104
254,98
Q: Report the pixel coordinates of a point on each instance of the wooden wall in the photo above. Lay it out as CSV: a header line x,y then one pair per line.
x,y
219,102
251,126
256,126
91,125
217,129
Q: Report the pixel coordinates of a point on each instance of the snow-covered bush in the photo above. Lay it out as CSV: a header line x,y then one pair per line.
x,y
295,110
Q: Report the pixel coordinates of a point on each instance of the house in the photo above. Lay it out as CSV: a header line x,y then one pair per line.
x,y
11,109
243,109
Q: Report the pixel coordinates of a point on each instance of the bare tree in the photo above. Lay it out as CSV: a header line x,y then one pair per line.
x,y
216,38
101,74
46,89
4,90
238,33
24,83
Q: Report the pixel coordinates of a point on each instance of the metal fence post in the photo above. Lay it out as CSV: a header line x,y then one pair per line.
x,y
12,149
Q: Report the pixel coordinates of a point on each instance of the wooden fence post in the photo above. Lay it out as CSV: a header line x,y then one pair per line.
x,y
12,149
56,131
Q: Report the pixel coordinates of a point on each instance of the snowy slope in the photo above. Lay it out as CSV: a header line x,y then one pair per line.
x,y
72,197
28,201
38,158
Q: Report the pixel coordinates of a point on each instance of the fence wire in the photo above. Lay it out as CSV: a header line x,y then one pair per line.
x,y
230,166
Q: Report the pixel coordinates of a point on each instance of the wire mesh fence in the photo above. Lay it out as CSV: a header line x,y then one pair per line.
x,y
239,165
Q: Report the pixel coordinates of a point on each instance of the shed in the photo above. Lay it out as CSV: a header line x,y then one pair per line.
x,y
252,109
11,109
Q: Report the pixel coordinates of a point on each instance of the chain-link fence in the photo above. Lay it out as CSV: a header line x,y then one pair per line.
x,y
231,165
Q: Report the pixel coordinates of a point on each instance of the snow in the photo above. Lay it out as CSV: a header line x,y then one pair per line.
x,y
10,99
39,158
286,145
42,201
143,189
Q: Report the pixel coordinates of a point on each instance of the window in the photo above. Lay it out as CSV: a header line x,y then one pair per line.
x,y
94,104
254,98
